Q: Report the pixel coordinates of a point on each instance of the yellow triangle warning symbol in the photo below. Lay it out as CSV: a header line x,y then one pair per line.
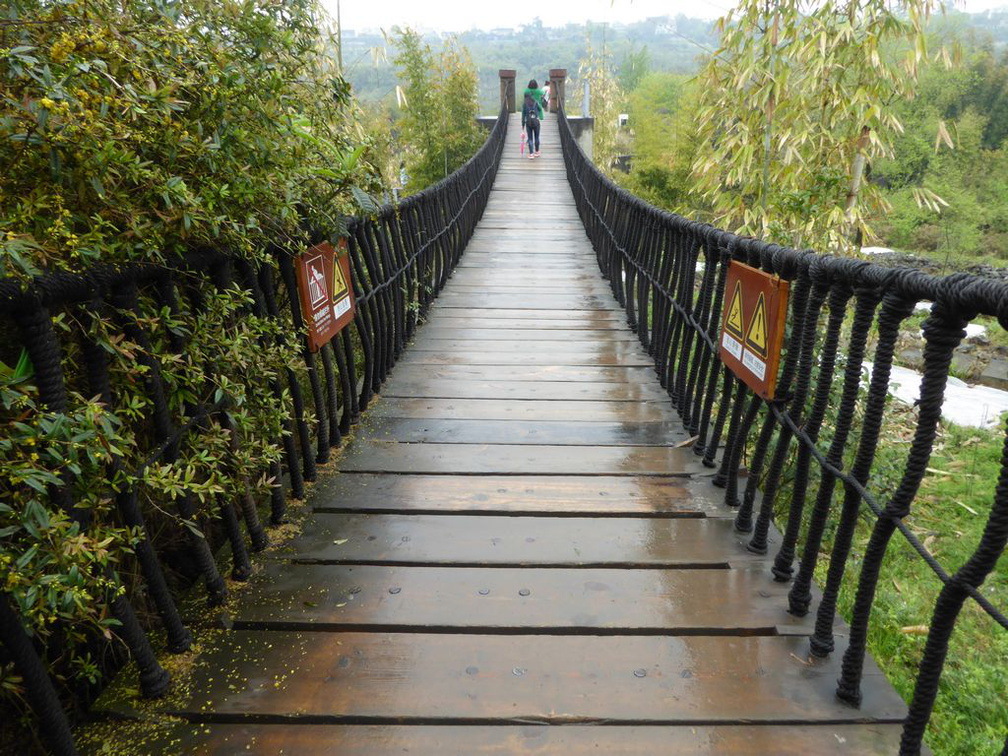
x,y
339,283
733,320
756,336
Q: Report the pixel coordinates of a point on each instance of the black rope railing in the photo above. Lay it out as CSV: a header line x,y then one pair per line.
x,y
651,258
400,261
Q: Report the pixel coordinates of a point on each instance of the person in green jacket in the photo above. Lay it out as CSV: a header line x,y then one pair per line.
x,y
532,114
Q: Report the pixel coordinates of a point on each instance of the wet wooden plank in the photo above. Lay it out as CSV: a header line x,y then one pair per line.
x,y
416,384
508,740
577,351
521,301
461,431
594,317
603,357
547,495
466,333
509,600
517,409
540,373
521,541
446,678
541,325
378,455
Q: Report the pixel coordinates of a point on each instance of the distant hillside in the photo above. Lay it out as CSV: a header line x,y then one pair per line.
x,y
673,44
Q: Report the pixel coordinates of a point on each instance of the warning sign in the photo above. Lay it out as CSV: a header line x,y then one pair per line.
x,y
756,336
323,279
752,326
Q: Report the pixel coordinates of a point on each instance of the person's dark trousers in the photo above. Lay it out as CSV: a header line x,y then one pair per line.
x,y
533,135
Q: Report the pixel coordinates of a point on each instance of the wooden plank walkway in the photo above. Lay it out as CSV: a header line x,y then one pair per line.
x,y
516,539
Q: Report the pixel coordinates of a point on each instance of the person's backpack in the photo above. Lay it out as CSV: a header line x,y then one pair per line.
x,y
530,111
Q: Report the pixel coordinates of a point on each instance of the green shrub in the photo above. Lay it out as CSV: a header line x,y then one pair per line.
x,y
138,130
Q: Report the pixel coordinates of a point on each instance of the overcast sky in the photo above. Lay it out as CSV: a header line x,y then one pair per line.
x,y
461,15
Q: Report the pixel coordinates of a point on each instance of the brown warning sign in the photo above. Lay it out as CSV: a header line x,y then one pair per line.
x,y
752,326
324,287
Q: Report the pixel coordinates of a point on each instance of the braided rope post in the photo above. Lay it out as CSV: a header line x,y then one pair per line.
x,y
278,497
308,471
38,685
332,396
362,319
943,331
43,347
261,284
322,423
735,440
895,308
807,305
348,376
743,519
839,294
800,596
703,354
704,447
128,505
42,344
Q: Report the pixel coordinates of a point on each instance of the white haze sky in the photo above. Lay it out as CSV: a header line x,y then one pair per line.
x,y
462,15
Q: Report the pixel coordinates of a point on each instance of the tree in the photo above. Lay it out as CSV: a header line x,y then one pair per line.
x,y
797,100
664,132
596,66
635,66
438,99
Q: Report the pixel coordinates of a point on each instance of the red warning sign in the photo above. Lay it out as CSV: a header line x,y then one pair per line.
x,y
325,290
752,326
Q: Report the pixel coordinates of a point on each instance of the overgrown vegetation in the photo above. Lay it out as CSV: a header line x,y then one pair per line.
x,y
140,130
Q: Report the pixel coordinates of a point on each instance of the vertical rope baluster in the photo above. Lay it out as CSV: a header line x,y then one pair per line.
x,y
363,318
128,505
691,303
223,279
39,690
839,294
702,355
800,320
972,574
44,349
278,502
321,421
894,309
943,331
308,472
805,333
800,596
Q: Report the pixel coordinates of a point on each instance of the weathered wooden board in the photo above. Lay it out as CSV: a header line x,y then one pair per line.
x,y
517,409
541,740
603,356
415,384
506,333
517,541
462,431
528,600
548,495
447,678
376,455
540,373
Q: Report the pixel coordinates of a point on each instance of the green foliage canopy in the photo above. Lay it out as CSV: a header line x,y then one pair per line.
x,y
438,96
133,130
